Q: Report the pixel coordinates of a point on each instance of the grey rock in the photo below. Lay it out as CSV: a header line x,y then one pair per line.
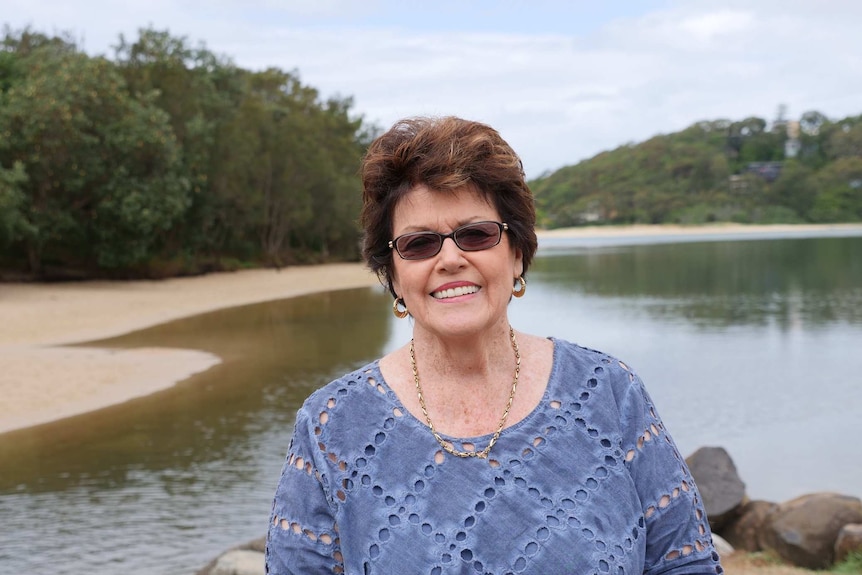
x,y
251,559
239,562
719,484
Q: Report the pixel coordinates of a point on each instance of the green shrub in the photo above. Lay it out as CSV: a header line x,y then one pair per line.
x,y
851,564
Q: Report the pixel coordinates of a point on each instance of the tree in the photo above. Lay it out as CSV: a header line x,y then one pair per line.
x,y
338,193
169,160
303,179
101,167
839,192
13,223
201,94
811,121
846,141
794,188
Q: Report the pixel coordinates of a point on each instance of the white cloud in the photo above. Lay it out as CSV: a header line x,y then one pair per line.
x,y
714,25
557,97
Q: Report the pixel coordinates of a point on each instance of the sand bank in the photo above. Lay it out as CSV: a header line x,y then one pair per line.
x,y
41,380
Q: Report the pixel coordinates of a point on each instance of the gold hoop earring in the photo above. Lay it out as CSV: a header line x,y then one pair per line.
x,y
399,313
523,287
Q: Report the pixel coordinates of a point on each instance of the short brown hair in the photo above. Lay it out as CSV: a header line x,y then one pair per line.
x,y
444,154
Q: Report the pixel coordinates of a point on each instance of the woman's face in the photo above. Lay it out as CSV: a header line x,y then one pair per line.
x,y
487,276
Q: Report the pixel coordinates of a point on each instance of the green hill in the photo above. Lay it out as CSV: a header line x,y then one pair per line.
x,y
806,170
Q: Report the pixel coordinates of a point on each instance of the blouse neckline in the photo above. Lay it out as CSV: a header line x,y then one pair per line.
x,y
544,403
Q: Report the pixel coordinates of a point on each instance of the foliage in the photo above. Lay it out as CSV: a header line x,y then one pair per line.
x,y
167,159
13,223
102,170
839,190
715,171
852,564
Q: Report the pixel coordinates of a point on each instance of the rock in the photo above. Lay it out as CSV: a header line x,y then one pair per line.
x,y
245,559
258,544
722,490
722,547
745,531
849,540
239,562
804,530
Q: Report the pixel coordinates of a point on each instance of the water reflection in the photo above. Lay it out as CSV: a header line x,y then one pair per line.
x,y
174,478
789,282
274,355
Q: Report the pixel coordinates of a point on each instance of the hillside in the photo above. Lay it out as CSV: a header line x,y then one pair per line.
x,y
745,171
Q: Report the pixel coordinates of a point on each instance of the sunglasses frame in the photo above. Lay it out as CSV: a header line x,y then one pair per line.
x,y
502,226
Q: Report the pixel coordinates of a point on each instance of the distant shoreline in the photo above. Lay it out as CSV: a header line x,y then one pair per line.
x,y
644,230
42,380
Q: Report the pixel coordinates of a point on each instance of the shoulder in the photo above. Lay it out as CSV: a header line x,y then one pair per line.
x,y
347,410
344,391
568,355
593,370
568,349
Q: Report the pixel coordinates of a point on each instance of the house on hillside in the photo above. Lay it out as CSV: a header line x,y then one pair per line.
x,y
793,145
769,171
743,182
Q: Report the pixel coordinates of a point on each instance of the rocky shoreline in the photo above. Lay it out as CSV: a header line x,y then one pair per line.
x,y
813,531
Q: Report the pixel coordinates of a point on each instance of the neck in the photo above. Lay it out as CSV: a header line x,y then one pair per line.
x,y
470,359
465,396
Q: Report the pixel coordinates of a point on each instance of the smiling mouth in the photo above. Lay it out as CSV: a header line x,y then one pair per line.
x,y
454,292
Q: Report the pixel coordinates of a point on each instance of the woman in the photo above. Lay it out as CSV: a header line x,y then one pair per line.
x,y
475,448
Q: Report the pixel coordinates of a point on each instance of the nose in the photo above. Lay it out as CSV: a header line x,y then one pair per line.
x,y
450,254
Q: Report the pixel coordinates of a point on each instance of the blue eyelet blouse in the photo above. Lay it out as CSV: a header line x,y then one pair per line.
x,y
589,482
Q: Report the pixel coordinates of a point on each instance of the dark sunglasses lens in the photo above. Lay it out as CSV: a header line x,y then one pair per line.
x,y
418,246
479,236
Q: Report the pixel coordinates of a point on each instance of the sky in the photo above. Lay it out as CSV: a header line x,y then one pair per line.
x,y
561,80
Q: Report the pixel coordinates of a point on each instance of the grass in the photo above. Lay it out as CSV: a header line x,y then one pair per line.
x,y
766,563
852,564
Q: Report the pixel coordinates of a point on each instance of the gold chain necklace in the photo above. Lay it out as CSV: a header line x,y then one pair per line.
x,y
445,444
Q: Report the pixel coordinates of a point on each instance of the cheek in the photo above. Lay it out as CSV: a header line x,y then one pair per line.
x,y
402,277
396,285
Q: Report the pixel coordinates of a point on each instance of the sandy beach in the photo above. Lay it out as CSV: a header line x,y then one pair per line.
x,y
42,379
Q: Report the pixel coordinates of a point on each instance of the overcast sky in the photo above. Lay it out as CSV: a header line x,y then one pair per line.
x,y
561,80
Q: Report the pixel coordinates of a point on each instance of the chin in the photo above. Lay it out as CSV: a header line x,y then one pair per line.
x,y
456,327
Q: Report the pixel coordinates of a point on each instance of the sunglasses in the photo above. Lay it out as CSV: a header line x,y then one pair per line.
x,y
469,238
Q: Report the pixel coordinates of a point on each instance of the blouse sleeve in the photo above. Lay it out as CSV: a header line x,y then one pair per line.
x,y
303,535
678,538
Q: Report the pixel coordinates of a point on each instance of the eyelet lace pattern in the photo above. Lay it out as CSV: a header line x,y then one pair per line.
x,y
590,482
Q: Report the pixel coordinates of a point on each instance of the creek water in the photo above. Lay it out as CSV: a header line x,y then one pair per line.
x,y
753,345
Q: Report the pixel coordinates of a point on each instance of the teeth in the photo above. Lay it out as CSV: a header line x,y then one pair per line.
x,y
454,292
